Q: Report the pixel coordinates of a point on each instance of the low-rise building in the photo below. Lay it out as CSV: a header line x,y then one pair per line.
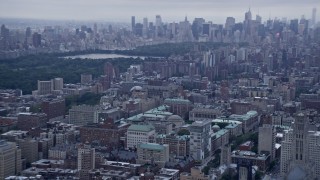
x,y
178,145
205,113
153,153
196,174
260,160
219,139
139,134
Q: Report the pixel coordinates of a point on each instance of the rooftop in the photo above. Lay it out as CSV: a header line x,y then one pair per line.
x,y
152,146
143,128
177,101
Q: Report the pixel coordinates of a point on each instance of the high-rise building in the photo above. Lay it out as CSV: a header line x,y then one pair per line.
x,y
133,23
29,149
28,32
45,87
248,23
95,28
294,25
270,64
248,15
57,83
185,32
158,20
86,160
10,159
300,151
230,22
158,26
139,29
258,19
206,28
314,14
145,28
200,140
5,35
267,138
36,39
197,27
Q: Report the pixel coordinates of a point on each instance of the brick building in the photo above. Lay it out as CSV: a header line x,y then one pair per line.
x,y
54,107
27,121
108,134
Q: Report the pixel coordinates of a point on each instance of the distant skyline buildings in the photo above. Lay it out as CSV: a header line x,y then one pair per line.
x,y
173,10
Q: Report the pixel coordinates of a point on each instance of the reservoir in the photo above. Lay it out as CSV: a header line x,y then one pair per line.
x,y
103,56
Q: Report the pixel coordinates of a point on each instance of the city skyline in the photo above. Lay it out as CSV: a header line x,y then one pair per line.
x,y
120,11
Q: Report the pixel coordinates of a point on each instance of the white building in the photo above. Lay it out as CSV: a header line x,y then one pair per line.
x,y
10,159
267,140
139,134
81,115
45,87
300,151
86,160
200,139
57,83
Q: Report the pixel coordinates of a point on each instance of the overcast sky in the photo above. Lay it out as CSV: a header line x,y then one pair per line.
x,y
170,10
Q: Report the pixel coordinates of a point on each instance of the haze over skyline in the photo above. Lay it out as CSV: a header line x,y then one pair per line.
x,y
170,10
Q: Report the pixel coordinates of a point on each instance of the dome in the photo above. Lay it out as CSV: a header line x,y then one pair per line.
x,y
174,118
215,127
136,88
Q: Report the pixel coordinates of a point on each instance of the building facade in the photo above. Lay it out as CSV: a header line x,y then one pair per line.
x,y
139,134
153,153
200,140
10,159
300,151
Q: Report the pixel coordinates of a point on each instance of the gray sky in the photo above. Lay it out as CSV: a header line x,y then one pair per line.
x,y
170,10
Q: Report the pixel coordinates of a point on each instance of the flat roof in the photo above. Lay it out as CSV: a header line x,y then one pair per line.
x,y
142,128
152,146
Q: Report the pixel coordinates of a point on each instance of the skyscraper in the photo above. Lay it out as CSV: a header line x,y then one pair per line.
x,y
230,22
95,28
314,13
133,23
300,151
158,26
28,32
248,23
36,39
197,27
145,27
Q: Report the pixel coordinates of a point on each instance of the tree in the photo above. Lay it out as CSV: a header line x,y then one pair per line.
x,y
205,170
258,175
183,132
